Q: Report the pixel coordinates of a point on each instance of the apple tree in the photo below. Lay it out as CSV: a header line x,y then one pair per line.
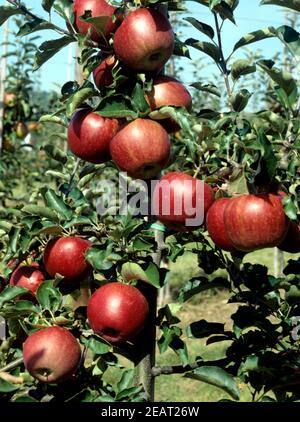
x,y
76,270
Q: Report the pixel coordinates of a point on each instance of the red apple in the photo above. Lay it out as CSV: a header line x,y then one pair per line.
x,y
141,148
51,355
90,134
144,41
66,256
117,312
98,8
291,242
28,276
103,73
216,227
255,221
167,91
2,283
181,201
9,99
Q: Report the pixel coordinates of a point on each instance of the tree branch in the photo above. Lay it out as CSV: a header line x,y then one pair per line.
x,y
180,369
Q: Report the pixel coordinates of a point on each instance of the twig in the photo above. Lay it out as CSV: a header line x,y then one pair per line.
x,y
223,64
180,369
12,365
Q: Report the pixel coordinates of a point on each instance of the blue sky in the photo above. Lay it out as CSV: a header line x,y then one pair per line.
x,y
249,17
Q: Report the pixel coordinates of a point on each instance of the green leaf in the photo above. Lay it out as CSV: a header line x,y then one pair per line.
x,y
25,399
49,48
255,36
282,78
238,183
290,4
34,25
139,100
8,11
47,5
102,259
97,345
76,100
210,88
206,47
48,296
117,106
50,118
218,377
149,274
199,285
290,208
98,22
202,329
64,8
180,49
290,37
242,67
56,153
57,204
240,100
201,26
5,386
126,380
5,226
10,293
40,212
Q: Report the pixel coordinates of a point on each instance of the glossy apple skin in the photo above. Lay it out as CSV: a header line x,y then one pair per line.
x,y
291,242
2,284
168,91
103,73
175,199
141,148
144,41
28,276
53,350
89,136
216,227
117,312
255,221
98,8
66,256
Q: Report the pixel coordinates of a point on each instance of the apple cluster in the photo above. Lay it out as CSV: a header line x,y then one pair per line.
x,y
117,312
251,222
142,41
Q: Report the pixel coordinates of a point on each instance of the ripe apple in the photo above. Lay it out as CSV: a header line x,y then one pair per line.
x,y
145,40
178,198
291,242
51,355
66,256
117,312
168,91
90,134
141,148
216,227
255,221
103,73
21,130
2,283
97,8
9,99
34,126
28,276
